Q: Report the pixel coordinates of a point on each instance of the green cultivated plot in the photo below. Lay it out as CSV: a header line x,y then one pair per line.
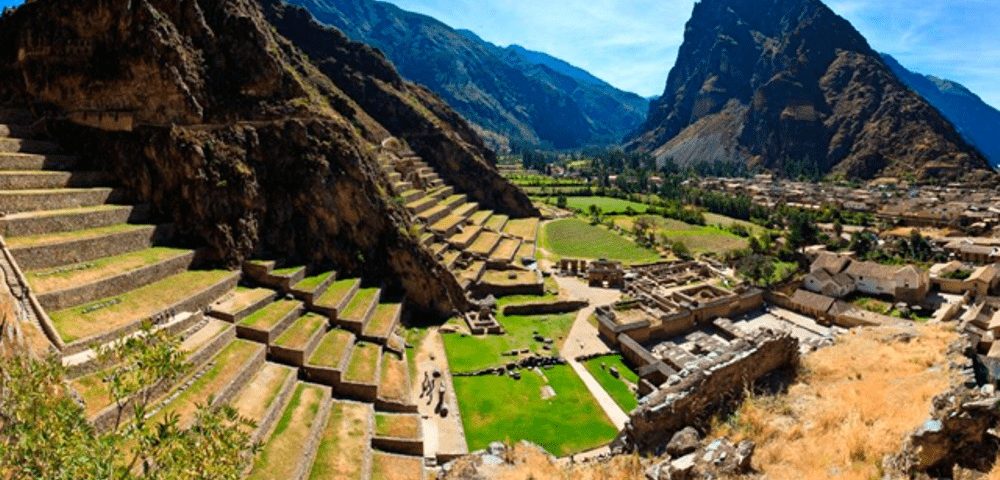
x,y
501,408
618,387
468,354
575,238
608,205
697,238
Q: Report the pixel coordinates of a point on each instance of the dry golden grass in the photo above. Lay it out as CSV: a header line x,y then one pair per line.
x,y
854,404
526,461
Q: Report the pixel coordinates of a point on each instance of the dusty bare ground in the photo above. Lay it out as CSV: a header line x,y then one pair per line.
x,y
853,404
528,461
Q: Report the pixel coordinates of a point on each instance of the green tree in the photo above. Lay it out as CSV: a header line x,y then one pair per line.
x,y
44,432
758,269
681,251
561,201
595,214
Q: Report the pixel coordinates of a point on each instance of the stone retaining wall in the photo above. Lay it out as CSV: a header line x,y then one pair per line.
x,y
546,308
696,397
117,285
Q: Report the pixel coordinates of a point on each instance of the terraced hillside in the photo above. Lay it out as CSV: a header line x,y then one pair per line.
x,y
466,239
313,359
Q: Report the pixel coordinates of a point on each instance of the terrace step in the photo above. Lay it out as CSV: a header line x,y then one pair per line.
x,y
496,223
35,252
20,145
355,315
216,384
40,179
346,442
382,322
479,218
114,317
448,225
66,286
282,279
391,465
329,360
398,433
298,341
471,275
31,161
236,305
205,339
506,251
266,324
336,297
313,287
291,447
422,204
360,379
450,257
454,201
412,195
427,239
205,342
18,201
264,396
466,210
400,186
64,220
394,391
438,248
465,237
484,245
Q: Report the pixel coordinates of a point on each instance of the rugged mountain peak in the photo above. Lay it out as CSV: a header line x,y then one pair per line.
x,y
790,86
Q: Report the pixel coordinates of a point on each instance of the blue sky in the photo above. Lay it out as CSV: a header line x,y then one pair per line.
x,y
633,43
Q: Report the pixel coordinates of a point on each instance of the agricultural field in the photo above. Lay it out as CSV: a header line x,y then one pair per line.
x,y
501,408
617,387
575,238
608,205
724,221
699,239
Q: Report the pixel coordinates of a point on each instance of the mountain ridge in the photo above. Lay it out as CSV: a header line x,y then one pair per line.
x,y
511,99
975,119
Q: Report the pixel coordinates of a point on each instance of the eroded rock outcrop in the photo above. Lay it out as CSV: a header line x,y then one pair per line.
x,y
203,109
789,86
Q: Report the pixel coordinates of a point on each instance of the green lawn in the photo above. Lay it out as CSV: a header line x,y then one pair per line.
x,y
608,205
468,354
724,221
699,239
575,238
501,408
616,387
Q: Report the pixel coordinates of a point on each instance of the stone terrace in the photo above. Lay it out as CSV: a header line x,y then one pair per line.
x,y
464,238
286,346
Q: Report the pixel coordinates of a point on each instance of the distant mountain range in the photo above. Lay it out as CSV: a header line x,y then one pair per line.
x,y
977,121
513,96
791,87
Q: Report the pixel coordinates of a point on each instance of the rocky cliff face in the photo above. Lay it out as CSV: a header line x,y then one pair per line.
x,y
512,98
237,137
790,86
976,120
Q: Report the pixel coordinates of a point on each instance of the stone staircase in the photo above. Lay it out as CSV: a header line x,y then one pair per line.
x,y
464,238
311,358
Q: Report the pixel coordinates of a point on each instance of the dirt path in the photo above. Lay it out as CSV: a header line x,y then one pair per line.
x,y
583,339
443,436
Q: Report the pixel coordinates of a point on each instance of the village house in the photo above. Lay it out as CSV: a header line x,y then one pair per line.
x,y
838,276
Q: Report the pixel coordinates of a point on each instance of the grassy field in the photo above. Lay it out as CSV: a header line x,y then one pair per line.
x,y
467,354
501,408
697,238
575,238
608,205
616,387
724,221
